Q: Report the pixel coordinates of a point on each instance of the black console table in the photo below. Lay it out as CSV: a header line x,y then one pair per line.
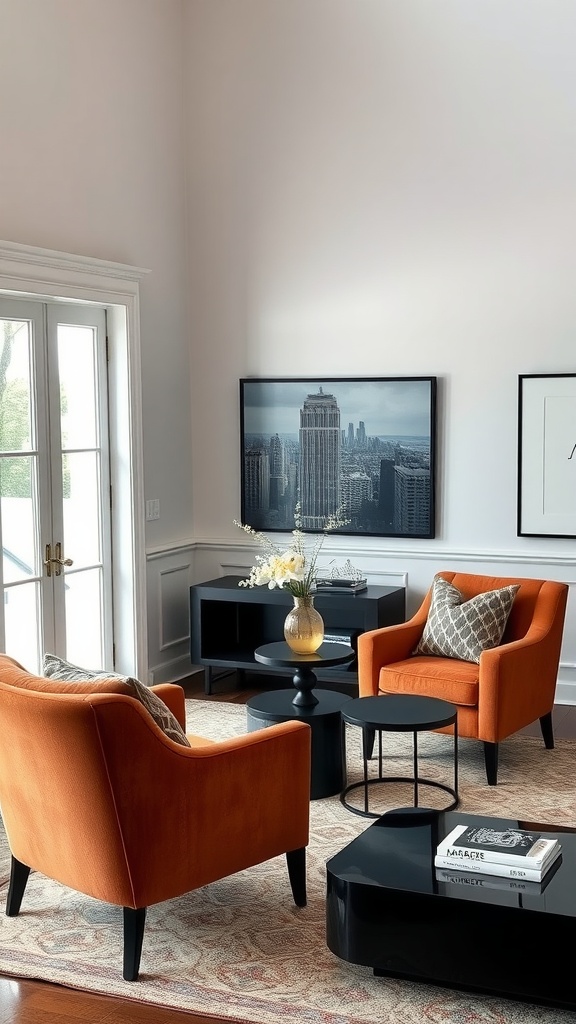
x,y
228,622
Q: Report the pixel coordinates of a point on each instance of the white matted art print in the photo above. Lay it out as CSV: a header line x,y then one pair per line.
x,y
547,455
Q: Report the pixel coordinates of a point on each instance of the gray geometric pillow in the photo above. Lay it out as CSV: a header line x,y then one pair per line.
x,y
463,629
56,668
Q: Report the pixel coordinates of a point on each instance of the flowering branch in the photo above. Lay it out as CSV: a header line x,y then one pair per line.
x,y
294,569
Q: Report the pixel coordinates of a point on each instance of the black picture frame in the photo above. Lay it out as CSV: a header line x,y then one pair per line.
x,y
546,455
368,443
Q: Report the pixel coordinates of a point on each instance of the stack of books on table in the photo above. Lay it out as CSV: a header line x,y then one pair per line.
x,y
467,880
330,585
510,853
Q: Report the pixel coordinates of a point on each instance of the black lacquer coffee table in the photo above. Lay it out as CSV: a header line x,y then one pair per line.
x,y
389,908
399,713
320,709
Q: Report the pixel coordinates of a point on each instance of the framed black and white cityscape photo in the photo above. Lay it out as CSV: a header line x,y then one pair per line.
x,y
364,444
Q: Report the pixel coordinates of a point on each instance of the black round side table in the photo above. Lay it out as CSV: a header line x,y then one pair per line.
x,y
280,655
321,710
399,713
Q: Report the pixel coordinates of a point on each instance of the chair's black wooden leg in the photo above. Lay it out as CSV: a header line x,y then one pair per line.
x,y
296,861
491,762
547,731
134,921
18,878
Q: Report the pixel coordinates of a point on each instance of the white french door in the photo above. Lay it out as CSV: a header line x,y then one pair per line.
x,y
56,565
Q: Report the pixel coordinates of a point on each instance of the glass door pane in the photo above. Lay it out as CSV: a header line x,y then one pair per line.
x,y
83,468
20,485
56,564
83,597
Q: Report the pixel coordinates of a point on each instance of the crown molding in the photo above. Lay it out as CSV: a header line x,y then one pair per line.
x,y
18,253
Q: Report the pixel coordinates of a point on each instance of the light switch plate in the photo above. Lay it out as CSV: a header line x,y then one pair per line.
x,y
152,509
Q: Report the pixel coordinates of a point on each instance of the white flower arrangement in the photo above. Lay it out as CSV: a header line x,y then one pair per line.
x,y
296,568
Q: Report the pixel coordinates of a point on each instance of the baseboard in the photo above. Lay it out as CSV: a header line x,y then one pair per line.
x,y
171,671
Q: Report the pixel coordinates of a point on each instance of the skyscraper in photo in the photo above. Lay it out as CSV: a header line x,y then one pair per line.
x,y
257,481
277,472
386,491
319,468
356,488
412,500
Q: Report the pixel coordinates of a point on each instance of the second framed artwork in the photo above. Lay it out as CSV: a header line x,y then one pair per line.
x,y
364,444
547,455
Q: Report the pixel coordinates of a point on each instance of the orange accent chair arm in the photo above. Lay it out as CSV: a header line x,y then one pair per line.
x,y
517,680
379,647
516,684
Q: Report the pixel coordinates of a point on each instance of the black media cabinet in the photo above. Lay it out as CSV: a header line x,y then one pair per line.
x,y
228,622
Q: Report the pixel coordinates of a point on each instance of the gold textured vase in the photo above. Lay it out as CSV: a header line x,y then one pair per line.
x,y
304,626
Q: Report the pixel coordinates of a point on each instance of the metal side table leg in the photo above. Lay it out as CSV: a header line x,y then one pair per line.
x,y
415,758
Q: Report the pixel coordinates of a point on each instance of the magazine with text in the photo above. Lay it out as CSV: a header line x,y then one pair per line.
x,y
506,846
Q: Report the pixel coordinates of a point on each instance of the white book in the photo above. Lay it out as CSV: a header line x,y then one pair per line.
x,y
506,846
468,880
500,870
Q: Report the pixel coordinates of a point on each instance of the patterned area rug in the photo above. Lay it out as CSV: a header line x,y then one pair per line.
x,y
240,949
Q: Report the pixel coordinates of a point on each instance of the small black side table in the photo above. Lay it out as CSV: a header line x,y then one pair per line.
x,y
280,655
321,710
399,713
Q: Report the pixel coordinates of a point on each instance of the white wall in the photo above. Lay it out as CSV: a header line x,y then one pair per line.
x,y
92,162
382,188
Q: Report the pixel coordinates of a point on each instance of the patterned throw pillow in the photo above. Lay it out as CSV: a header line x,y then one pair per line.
x,y
56,668
463,629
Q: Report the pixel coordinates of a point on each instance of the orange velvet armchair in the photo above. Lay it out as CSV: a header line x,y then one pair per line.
x,y
94,795
513,685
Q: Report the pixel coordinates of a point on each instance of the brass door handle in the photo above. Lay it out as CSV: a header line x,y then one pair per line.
x,y
48,559
58,561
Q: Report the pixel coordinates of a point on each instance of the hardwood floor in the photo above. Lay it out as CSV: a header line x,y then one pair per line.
x,y
32,1002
